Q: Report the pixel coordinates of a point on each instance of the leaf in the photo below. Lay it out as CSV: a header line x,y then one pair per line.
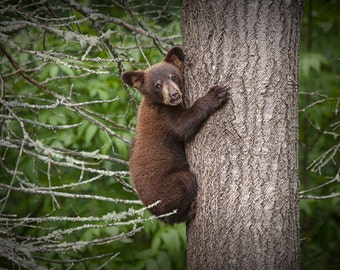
x,y
53,71
155,244
67,70
163,261
151,265
171,241
90,133
111,231
143,255
181,230
311,61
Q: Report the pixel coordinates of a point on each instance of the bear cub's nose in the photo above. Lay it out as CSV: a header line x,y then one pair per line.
x,y
174,95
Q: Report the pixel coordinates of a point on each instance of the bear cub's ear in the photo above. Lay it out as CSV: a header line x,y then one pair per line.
x,y
175,56
133,78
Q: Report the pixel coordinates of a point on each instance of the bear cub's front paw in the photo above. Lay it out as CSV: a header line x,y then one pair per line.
x,y
220,93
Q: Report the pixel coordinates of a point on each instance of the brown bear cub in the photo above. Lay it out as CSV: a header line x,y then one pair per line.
x,y
158,164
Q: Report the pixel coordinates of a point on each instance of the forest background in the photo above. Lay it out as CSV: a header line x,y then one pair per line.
x,y
66,123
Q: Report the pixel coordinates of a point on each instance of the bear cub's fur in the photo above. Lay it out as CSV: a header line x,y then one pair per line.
x,y
158,164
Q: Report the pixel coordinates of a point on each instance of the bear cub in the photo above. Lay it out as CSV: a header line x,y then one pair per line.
x,y
158,164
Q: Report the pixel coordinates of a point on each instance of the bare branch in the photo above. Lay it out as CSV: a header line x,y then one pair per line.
x,y
67,195
335,179
311,197
326,157
66,125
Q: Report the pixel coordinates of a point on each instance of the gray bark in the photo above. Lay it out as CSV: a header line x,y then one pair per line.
x,y
245,157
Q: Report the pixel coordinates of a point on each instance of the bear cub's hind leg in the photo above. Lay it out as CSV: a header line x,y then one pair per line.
x,y
183,199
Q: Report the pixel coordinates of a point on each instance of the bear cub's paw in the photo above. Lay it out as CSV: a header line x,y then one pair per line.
x,y
220,94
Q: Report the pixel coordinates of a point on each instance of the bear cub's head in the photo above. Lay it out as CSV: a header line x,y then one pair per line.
x,y
161,83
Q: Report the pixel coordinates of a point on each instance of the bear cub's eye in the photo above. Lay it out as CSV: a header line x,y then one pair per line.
x,y
158,85
173,77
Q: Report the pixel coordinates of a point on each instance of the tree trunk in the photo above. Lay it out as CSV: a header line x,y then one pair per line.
x,y
245,157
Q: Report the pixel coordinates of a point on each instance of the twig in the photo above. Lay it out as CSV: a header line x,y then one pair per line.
x,y
70,162
326,157
67,195
56,104
74,246
73,261
335,179
39,124
23,74
311,197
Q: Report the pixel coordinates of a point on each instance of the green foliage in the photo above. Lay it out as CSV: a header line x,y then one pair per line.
x,y
319,136
66,123
311,62
159,247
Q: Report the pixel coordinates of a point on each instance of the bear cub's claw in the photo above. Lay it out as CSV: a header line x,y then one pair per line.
x,y
220,92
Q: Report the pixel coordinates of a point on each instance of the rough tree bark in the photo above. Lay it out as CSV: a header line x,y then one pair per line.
x,y
245,158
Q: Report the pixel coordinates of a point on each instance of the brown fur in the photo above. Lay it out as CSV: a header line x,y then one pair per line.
x,y
158,164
